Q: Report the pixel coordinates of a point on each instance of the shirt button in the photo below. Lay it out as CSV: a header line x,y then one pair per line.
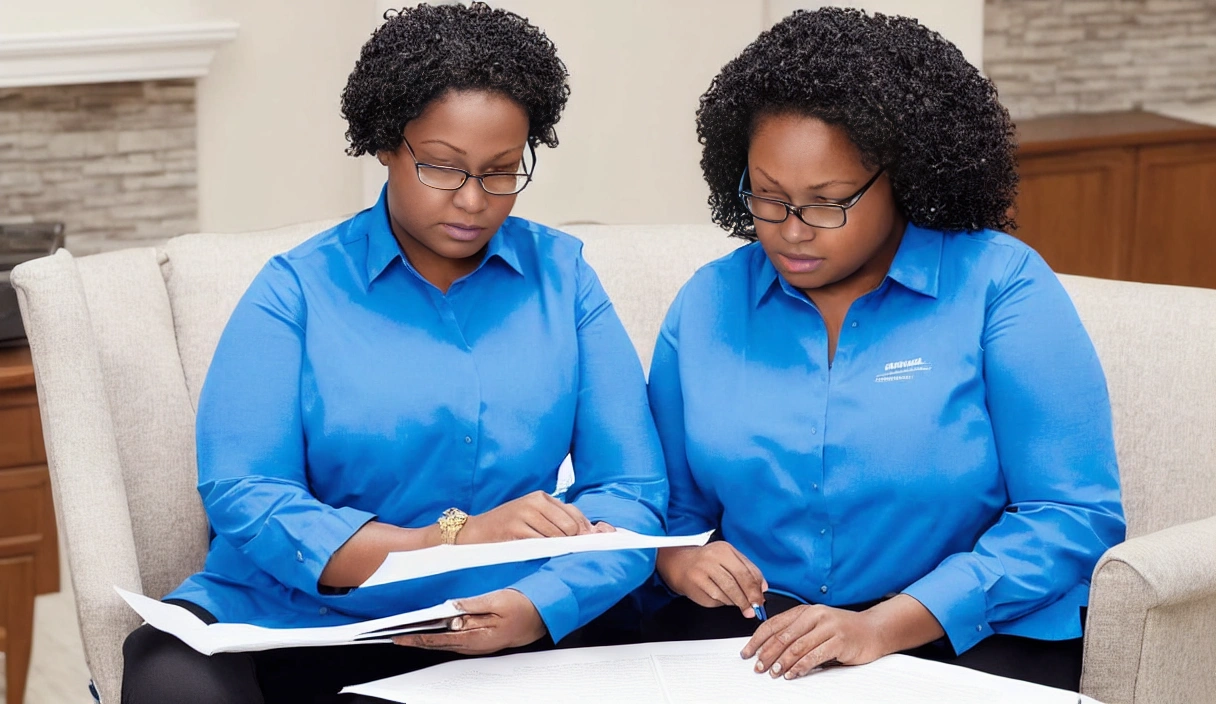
x,y
299,556
815,487
979,628
468,440
823,589
813,431
323,610
854,323
823,531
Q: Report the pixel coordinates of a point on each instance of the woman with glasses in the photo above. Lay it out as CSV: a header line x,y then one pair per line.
x,y
887,409
414,377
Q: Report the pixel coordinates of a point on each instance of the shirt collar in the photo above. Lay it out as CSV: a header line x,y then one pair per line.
x,y
383,249
765,277
919,260
502,246
916,266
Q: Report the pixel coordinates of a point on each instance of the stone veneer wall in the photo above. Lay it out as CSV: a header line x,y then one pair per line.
x,y
1068,56
115,162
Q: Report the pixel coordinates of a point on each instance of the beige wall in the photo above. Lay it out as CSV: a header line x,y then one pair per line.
x,y
628,149
270,137
37,16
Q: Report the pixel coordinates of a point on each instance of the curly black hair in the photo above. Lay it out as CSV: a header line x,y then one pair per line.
x,y
421,53
908,99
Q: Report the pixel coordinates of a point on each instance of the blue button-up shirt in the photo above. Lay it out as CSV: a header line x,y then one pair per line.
x,y
346,388
957,449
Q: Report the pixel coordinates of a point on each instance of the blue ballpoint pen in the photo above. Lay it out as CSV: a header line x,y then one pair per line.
x,y
760,612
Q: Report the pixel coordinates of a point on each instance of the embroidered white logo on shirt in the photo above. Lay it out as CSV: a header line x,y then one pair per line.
x,y
902,371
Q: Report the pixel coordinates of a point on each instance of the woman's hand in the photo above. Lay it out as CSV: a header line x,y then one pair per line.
x,y
537,515
492,622
797,641
712,575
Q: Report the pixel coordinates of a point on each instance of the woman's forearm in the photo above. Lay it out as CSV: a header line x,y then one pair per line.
x,y
904,623
360,556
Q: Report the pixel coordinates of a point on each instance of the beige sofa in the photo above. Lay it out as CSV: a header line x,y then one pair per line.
x,y
121,343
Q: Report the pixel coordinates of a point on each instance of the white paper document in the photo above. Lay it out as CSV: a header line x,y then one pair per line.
x,y
400,566
242,637
696,672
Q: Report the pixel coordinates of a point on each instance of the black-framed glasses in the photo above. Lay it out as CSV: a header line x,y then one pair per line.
x,y
450,178
825,216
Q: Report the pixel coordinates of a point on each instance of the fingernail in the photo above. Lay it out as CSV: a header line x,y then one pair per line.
x,y
750,613
789,675
457,623
776,669
759,666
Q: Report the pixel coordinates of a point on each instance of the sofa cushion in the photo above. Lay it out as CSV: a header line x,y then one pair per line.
x,y
643,267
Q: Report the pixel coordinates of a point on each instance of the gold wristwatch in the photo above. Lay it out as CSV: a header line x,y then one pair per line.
x,y
450,524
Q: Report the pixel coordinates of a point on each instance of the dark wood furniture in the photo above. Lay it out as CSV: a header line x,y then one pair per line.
x,y
1128,196
29,547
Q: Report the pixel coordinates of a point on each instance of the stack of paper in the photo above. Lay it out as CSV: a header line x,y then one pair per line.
x,y
242,637
700,672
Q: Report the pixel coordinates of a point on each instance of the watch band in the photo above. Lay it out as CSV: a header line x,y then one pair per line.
x,y
450,524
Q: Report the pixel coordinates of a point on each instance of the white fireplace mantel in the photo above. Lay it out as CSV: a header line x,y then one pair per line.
x,y
108,55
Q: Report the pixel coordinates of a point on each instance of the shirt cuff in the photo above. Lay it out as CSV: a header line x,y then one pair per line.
x,y
313,551
553,599
633,514
957,598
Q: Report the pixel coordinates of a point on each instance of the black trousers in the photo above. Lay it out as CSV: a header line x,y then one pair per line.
x,y
1051,663
158,669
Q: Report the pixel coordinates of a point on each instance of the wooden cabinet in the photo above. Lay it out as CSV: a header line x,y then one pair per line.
x,y
29,547
1120,195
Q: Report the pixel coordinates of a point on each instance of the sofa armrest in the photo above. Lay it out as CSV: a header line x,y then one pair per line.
x,y
86,471
1152,619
